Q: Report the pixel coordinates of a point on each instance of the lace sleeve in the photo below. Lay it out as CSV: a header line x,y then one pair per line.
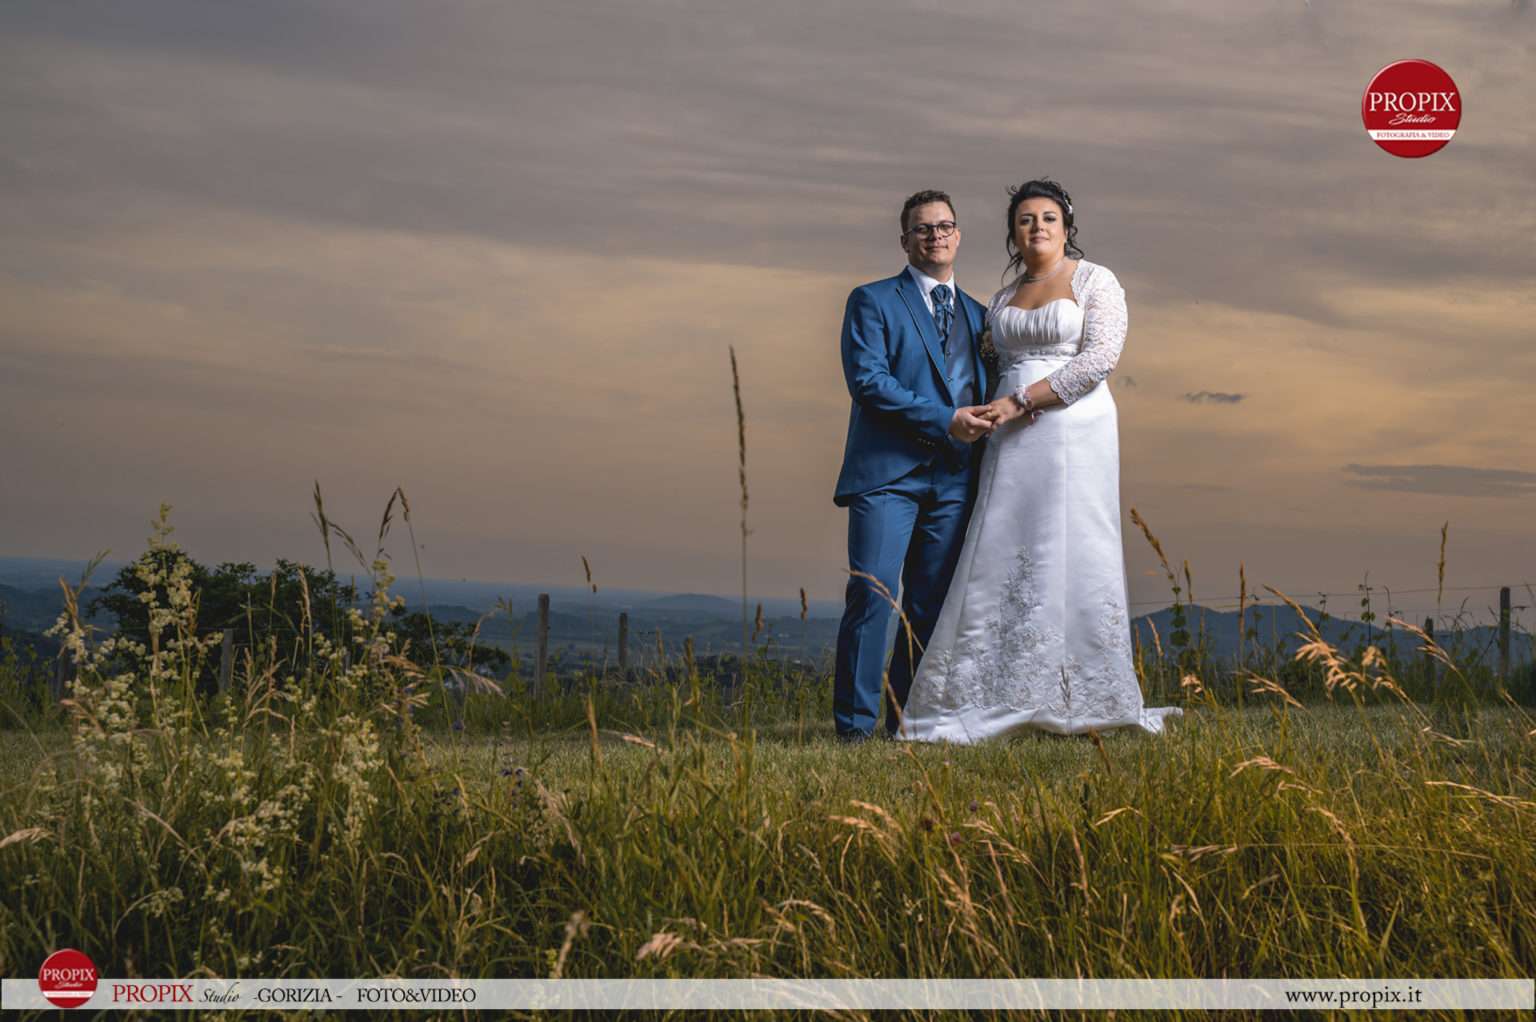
x,y
1104,326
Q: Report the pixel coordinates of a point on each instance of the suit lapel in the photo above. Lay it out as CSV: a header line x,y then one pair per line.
x,y
912,297
975,314
971,314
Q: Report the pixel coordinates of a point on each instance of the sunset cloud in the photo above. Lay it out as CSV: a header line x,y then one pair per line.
x,y
1451,480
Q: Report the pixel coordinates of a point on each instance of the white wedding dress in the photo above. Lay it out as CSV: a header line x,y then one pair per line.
x,y
1034,631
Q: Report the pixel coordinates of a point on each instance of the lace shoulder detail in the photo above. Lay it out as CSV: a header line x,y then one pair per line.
x,y
1001,298
1105,322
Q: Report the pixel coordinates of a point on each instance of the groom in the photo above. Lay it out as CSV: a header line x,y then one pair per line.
x,y
909,466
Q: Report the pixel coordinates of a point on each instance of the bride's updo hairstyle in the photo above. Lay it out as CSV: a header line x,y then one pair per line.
x,y
1041,188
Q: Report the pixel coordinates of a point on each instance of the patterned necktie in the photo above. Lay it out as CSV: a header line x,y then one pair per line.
x,y
943,312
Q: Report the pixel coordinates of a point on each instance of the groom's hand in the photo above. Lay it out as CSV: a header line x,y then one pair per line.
x,y
968,426
1004,410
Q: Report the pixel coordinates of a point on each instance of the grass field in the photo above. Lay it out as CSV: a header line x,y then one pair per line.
x,y
326,822
1333,841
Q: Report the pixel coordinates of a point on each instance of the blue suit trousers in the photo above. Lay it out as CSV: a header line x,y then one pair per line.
x,y
906,536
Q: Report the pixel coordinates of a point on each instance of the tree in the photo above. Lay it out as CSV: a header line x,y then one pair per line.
x,y
456,643
259,607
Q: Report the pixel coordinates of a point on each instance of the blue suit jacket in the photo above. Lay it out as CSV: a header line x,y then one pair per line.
x,y
894,364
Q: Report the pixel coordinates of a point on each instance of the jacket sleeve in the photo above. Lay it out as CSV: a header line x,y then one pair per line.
x,y
867,368
1104,327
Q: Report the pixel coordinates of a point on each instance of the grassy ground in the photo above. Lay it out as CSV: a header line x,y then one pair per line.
x,y
325,821
1332,841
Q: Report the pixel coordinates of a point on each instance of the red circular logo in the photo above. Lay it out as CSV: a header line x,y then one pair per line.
x,y
67,978
1411,108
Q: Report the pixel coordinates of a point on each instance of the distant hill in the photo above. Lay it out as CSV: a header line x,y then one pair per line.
x,y
476,596
696,603
1280,626
36,610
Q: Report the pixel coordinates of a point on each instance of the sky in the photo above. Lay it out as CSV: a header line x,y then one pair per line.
x,y
497,255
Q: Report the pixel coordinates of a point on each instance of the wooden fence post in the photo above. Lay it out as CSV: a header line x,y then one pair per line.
x,y
623,645
227,661
63,671
541,661
1504,633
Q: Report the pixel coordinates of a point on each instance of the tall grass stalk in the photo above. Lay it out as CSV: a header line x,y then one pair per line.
x,y
741,463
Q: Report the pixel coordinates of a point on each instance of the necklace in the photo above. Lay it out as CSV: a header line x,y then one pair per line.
x,y
1027,279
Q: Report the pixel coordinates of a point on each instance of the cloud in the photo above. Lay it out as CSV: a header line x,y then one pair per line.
x,y
1446,480
691,131
496,253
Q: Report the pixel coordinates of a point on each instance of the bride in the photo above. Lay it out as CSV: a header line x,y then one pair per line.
x,y
1034,631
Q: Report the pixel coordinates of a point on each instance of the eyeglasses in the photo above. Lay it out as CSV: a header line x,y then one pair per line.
x,y
942,229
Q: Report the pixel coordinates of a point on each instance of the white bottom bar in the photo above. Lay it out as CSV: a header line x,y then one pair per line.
x,y
726,994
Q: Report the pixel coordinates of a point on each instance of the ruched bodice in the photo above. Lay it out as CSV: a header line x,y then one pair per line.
x,y
1054,330
1097,314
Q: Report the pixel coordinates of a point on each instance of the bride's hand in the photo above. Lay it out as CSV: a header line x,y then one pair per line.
x,y
1004,409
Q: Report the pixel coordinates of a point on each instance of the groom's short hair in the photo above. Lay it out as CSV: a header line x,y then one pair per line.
x,y
922,199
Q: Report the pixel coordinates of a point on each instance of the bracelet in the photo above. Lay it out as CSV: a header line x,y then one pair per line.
x,y
1026,406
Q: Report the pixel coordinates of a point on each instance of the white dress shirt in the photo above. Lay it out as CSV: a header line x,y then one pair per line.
x,y
926,284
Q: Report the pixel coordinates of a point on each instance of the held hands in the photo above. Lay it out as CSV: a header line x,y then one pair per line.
x,y
970,424
976,421
1006,409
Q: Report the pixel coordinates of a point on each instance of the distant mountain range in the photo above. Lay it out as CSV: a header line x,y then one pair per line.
x,y
44,573
585,624
35,610
1279,628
